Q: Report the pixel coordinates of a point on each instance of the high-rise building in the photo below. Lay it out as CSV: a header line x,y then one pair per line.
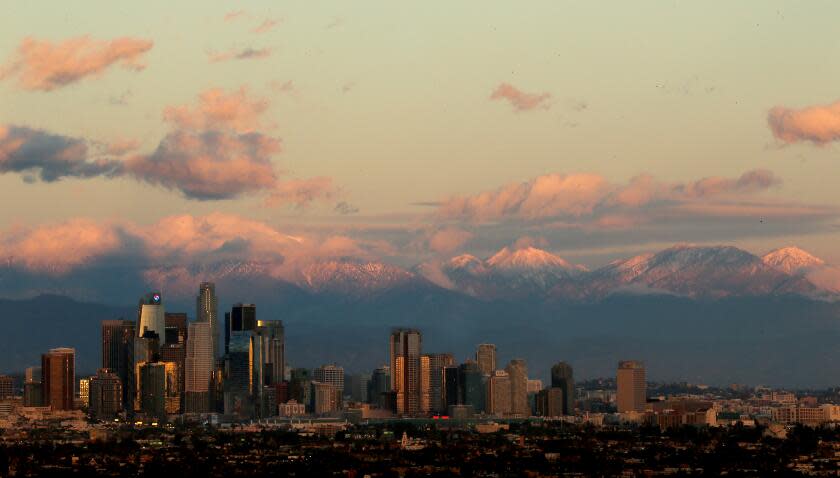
x,y
325,398
300,386
472,386
273,335
405,351
631,381
379,387
84,391
356,386
152,381
146,350
33,390
174,351
199,368
451,386
332,374
7,386
485,355
243,317
58,372
432,367
562,376
517,369
239,370
118,353
550,402
499,394
105,395
207,310
150,315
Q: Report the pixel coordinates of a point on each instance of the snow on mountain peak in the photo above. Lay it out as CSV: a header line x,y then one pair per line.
x,y
527,258
791,260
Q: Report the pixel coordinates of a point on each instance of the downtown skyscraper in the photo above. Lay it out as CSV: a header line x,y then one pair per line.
x,y
58,376
199,365
562,377
485,355
405,352
118,353
150,316
207,310
631,383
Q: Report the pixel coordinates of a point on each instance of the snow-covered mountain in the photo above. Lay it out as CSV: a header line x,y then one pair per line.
x,y
795,261
693,271
509,273
352,279
792,260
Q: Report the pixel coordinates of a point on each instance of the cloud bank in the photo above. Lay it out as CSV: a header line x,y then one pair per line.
x,y
214,150
591,197
815,124
41,65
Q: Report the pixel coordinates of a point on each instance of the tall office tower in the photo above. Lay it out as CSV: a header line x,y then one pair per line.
x,y
7,386
243,317
118,353
150,315
174,351
300,386
562,376
105,395
273,336
227,332
153,389
84,391
207,310
58,374
499,394
356,386
332,374
473,386
518,372
325,398
33,390
198,366
550,402
380,386
432,366
146,350
485,355
451,386
405,348
238,383
631,381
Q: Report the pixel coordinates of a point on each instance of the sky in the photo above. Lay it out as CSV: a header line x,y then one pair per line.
x,y
190,131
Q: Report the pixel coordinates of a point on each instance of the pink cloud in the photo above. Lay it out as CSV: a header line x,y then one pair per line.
x,y
449,239
43,65
59,247
817,124
520,100
122,146
590,197
213,151
217,109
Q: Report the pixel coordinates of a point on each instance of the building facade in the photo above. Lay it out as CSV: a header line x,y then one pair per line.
x,y
58,372
405,352
562,376
631,383
485,355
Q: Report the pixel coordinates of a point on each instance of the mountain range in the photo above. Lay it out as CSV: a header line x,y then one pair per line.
x,y
709,314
